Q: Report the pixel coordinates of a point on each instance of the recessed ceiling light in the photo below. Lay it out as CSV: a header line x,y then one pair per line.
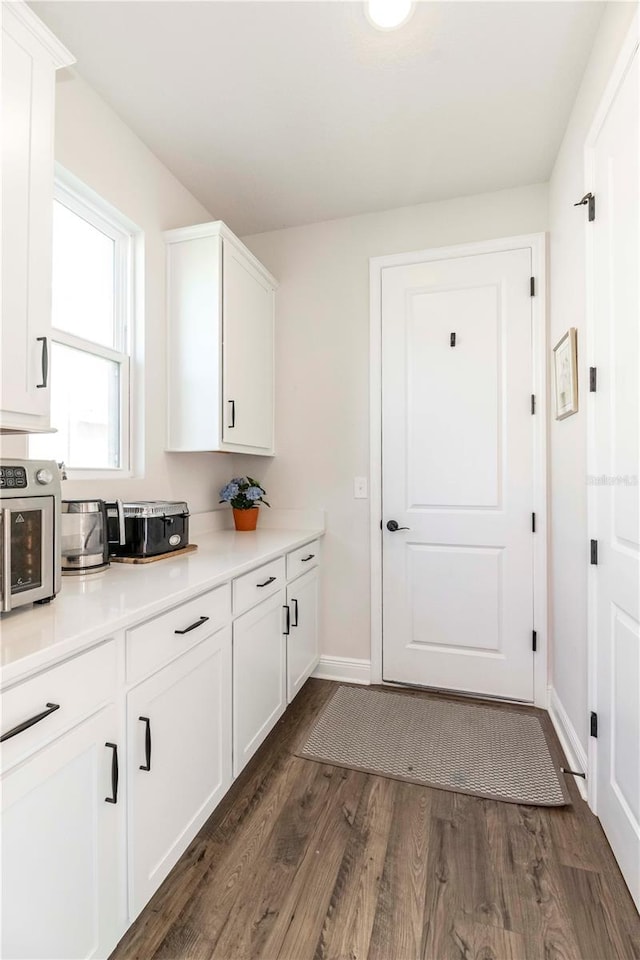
x,y
389,14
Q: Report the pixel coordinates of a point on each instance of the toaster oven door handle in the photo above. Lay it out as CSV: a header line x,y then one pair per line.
x,y
6,560
192,626
121,530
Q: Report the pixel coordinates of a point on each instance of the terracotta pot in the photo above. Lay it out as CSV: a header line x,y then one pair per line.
x,y
246,519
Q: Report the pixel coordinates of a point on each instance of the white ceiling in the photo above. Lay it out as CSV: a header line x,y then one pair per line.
x,y
281,113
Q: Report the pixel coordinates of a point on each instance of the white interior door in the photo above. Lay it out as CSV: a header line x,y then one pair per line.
x,y
458,474
615,426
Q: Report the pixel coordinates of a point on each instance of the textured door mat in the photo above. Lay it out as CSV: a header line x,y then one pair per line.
x,y
467,748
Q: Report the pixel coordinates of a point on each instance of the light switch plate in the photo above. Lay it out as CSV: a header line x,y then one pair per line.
x,y
360,488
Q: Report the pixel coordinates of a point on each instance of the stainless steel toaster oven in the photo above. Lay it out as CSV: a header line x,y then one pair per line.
x,y
29,532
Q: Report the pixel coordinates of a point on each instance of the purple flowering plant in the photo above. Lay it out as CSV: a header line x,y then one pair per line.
x,y
243,493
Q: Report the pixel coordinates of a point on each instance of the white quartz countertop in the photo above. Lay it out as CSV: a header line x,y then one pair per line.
x,y
95,607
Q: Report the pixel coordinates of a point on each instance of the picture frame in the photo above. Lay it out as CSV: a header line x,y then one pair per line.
x,y
565,367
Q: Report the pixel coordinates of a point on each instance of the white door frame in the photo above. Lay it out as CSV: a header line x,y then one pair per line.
x,y
537,243
627,51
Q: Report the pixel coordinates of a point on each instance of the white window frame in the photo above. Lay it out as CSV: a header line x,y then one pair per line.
x,y
87,204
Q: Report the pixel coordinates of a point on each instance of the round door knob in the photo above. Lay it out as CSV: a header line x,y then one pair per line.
x,y
392,526
44,476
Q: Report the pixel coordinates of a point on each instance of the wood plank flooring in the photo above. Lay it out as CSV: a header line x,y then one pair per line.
x,y
304,861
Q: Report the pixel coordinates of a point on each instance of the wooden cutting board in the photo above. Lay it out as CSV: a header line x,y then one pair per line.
x,y
160,556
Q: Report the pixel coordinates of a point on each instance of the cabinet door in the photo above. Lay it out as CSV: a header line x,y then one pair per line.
x,y
28,89
248,343
259,687
179,747
63,875
302,639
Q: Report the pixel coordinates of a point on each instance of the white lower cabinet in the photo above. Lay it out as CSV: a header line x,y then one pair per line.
x,y
179,740
259,670
62,846
93,821
302,638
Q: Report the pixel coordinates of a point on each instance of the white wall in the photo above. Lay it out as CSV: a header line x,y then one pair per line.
x,y
322,404
94,144
569,545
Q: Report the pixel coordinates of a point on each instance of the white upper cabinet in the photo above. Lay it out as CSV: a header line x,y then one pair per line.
x,y
30,57
221,343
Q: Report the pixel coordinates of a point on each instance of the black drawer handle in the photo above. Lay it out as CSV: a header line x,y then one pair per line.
x,y
267,582
147,744
192,626
294,623
306,559
51,708
45,363
114,774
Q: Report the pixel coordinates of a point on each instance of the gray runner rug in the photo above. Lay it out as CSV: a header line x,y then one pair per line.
x,y
467,748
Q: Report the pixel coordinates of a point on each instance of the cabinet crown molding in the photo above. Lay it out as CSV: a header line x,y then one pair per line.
x,y
217,228
57,51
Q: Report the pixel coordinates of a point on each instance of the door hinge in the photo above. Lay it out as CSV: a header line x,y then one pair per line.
x,y
594,553
593,724
593,379
590,201
533,523
533,403
532,286
534,640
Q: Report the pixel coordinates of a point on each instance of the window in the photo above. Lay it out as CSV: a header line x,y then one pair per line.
x,y
91,339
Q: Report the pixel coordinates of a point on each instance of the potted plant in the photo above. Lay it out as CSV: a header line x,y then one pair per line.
x,y
244,494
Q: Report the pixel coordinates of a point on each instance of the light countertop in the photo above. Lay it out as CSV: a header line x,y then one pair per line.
x,y
95,607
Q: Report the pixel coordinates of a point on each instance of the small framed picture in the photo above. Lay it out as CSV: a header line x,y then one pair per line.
x,y
565,364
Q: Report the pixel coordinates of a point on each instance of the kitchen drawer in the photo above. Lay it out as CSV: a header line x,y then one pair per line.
x,y
78,687
257,585
303,559
156,642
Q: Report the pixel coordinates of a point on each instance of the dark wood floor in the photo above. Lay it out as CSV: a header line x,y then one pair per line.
x,y
310,862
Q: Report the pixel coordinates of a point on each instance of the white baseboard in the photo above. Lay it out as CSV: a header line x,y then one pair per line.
x,y
569,741
346,669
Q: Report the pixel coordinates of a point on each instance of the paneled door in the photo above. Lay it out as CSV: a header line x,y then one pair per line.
x,y
457,446
63,847
614,431
179,724
248,362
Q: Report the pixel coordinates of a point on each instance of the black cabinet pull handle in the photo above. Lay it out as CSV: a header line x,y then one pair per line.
x,y
294,623
147,744
267,582
452,340
306,559
287,620
233,414
192,626
45,362
51,708
114,774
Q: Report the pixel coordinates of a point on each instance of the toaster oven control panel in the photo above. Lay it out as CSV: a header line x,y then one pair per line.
x,y
15,477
